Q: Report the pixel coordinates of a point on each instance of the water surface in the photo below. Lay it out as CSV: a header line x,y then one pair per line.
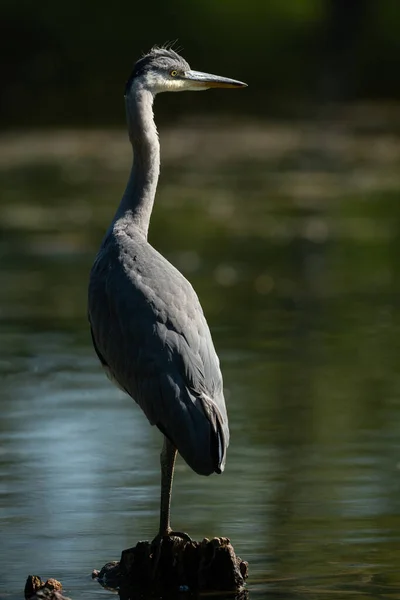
x,y
292,245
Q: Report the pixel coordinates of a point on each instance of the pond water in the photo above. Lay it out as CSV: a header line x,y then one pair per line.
x,y
292,243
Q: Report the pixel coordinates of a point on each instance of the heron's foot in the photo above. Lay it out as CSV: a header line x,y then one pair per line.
x,y
156,546
160,536
180,534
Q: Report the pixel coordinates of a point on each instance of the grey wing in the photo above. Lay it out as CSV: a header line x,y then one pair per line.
x,y
152,338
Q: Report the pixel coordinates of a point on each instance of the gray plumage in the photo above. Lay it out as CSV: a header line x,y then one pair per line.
x,y
148,327
154,339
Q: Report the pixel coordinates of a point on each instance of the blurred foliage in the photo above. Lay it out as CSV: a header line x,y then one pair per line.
x,y
66,62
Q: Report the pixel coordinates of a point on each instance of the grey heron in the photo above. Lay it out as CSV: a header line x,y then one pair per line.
x,y
147,324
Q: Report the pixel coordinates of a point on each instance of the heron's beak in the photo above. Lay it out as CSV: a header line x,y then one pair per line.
x,y
206,80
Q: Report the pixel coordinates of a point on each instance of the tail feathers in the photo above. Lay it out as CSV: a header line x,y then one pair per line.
x,y
200,433
219,433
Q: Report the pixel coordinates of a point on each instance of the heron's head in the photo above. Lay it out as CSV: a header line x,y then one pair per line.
x,y
163,70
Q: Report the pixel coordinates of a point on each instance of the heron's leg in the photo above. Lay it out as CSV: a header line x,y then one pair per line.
x,y
168,456
167,459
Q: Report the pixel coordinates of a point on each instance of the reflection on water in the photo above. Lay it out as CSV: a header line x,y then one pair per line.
x,y
295,258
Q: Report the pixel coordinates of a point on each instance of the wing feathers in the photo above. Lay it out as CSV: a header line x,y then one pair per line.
x,y
150,331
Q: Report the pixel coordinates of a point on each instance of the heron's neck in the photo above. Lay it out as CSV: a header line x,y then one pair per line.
x,y
137,201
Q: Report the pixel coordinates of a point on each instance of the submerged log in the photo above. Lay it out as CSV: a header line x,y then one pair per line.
x,y
176,565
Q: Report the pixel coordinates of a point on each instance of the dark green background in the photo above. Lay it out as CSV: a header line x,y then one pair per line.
x,y
66,62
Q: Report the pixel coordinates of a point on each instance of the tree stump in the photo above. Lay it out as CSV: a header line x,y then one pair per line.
x,y
36,589
176,565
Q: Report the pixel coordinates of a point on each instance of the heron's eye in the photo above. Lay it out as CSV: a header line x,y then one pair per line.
x,y
174,73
